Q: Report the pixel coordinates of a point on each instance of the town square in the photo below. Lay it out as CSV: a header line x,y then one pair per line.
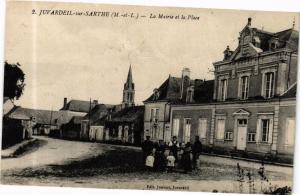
x,y
140,103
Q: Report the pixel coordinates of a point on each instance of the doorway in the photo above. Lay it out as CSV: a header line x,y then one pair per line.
x,y
241,133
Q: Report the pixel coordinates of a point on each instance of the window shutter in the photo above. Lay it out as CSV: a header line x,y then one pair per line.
x,y
270,138
290,131
175,127
202,128
258,131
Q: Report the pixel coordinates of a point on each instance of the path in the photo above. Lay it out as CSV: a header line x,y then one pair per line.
x,y
56,151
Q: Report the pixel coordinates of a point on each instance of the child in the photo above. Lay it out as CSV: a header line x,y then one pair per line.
x,y
170,162
149,162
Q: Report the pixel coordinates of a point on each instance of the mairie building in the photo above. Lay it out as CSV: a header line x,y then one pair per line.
x,y
250,106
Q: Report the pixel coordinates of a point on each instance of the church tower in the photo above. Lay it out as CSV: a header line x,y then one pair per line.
x,y
128,91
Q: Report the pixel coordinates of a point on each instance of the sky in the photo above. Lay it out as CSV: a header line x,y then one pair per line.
x,y
83,57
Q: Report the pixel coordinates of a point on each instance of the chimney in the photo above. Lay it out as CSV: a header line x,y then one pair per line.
x,y
227,53
185,82
186,72
249,21
65,103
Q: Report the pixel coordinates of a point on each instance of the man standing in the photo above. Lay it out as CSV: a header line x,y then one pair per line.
x,y
147,147
196,150
174,145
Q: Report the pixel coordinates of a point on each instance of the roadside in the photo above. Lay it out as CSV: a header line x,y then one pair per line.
x,y
20,148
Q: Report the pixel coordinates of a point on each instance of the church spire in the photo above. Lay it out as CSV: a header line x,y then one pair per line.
x,y
129,76
128,91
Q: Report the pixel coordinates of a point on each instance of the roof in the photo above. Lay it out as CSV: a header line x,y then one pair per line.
x,y
79,106
41,116
204,92
287,38
65,116
129,114
291,92
169,90
77,119
97,112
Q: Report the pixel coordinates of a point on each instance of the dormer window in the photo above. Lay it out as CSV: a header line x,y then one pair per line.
x,y
273,44
256,41
190,94
155,94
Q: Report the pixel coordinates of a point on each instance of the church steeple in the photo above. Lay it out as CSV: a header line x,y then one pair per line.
x,y
128,91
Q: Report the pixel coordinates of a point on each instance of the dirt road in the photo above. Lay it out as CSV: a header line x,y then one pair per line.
x,y
55,151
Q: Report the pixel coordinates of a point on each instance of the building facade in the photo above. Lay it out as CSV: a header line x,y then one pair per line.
x,y
175,90
253,107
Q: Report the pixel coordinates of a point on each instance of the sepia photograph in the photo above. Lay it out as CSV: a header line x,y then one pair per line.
x,y
149,98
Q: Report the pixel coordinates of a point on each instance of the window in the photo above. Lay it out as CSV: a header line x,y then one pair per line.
x,y
187,130
228,135
269,84
251,137
265,130
244,87
202,128
220,129
154,115
242,121
223,90
175,127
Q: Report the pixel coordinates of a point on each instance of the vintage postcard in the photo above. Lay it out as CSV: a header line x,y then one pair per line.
x,y
149,98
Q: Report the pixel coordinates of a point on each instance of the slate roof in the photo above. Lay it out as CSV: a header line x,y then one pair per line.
x,y
291,92
170,90
204,92
79,106
130,114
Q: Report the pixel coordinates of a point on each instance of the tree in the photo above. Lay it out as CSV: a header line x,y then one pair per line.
x,y
13,80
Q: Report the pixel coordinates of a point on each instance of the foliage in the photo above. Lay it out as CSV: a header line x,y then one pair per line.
x,y
13,80
264,181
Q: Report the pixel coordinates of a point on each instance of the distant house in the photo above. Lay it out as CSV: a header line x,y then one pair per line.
x,y
15,127
126,126
71,130
45,120
175,90
79,106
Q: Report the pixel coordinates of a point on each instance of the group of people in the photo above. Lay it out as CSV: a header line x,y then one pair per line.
x,y
160,156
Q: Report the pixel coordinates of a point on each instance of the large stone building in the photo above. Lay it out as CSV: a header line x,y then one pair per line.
x,y
248,108
254,98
